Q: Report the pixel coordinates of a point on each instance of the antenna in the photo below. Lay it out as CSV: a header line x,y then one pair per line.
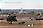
x,y
21,8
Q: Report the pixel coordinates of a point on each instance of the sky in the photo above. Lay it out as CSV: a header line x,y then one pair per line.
x,y
21,4
19,0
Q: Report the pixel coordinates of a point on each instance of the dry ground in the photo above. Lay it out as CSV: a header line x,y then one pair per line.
x,y
5,25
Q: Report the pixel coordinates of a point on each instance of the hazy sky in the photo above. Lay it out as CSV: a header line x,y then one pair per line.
x,y
20,0
21,3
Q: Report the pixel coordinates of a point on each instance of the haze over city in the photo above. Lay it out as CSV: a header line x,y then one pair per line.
x,y
21,4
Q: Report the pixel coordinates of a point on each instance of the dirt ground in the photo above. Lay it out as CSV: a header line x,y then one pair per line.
x,y
5,25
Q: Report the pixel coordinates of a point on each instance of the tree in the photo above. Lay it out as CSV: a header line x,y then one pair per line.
x,y
11,19
0,9
38,14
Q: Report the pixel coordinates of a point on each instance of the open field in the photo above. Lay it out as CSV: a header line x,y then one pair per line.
x,y
21,26
6,25
22,18
3,25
